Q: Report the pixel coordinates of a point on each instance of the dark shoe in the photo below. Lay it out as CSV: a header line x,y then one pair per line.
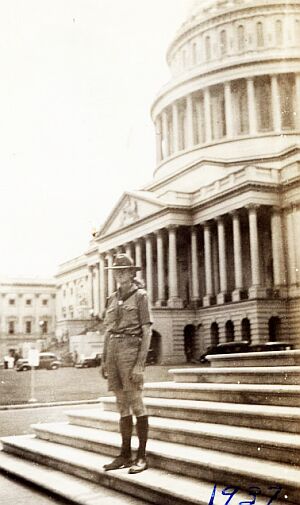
x,y
138,466
118,462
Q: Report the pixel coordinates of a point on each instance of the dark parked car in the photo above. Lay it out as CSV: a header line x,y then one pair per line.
x,y
89,362
244,346
226,348
271,346
48,360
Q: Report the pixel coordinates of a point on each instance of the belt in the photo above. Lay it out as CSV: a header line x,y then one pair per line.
x,y
123,335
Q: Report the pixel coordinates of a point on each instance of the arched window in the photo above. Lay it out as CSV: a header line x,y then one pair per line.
x,y
278,32
207,48
274,329
241,38
246,329
194,53
297,31
223,42
189,341
260,34
214,334
229,331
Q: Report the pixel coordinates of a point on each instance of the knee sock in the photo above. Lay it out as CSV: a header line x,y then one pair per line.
x,y
126,432
142,433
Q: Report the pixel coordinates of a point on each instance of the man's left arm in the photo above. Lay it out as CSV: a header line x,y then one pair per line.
x,y
138,369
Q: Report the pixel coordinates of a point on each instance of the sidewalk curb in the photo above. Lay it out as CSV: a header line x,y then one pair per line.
x,y
50,404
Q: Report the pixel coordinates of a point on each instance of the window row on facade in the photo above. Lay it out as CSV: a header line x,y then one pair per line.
x,y
241,107
27,327
237,39
27,302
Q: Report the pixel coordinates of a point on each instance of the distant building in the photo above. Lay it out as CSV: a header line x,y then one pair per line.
x,y
217,232
76,302
27,313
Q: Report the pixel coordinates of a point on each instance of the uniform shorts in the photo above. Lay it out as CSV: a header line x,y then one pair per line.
x,y
121,357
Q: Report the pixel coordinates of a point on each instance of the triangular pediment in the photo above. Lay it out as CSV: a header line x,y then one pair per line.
x,y
131,208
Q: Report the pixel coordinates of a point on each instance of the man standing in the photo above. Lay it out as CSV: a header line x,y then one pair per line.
x,y
127,340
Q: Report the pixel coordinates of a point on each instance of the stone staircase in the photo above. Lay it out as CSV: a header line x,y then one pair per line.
x,y
229,430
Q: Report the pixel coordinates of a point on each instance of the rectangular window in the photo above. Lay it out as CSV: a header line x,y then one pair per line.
x,y
45,302
11,301
240,100
263,103
45,327
218,113
287,100
11,327
28,302
28,327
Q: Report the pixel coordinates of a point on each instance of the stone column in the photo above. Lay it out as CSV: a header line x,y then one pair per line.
x,y
208,130
165,134
277,248
292,255
195,266
237,253
128,250
275,104
102,296
215,262
222,261
297,108
175,121
160,269
149,268
251,106
228,110
174,300
90,288
189,122
138,257
97,290
110,276
158,139
208,264
255,290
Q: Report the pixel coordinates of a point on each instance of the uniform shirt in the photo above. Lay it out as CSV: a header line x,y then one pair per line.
x,y
127,316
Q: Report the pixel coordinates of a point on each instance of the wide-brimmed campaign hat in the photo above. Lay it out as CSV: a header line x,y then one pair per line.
x,y
123,261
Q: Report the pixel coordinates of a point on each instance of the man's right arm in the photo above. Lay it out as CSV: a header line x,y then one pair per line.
x,y
104,356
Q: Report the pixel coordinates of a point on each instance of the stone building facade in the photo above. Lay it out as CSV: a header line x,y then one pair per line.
x,y
27,313
217,232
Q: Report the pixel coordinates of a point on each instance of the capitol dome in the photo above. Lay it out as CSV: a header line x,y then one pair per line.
x,y
234,87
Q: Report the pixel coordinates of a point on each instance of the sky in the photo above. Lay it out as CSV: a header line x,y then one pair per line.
x,y
78,78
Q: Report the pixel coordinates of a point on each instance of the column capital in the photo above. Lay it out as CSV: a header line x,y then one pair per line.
x,y
159,232
234,213
172,227
252,207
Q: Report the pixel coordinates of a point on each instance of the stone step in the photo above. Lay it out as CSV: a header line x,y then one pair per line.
x,y
262,444
239,375
62,485
285,419
207,464
229,393
268,358
155,485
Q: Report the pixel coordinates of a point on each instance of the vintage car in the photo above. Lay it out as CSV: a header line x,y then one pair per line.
x,y
89,361
47,360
